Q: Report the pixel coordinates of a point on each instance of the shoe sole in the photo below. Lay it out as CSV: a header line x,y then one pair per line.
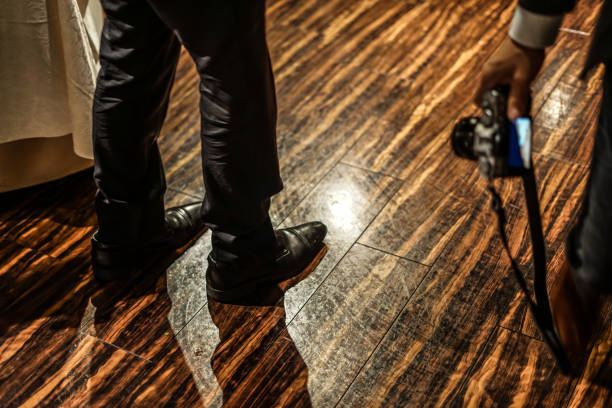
x,y
241,292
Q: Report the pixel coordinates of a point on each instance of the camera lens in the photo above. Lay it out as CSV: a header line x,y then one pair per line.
x,y
462,138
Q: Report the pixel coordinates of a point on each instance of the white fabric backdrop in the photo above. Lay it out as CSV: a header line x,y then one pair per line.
x,y
48,67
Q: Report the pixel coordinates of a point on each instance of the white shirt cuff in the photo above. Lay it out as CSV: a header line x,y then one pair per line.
x,y
534,30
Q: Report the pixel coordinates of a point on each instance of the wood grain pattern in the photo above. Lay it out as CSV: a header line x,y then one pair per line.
x,y
83,371
414,303
347,200
54,218
418,223
340,326
442,329
593,386
45,292
235,354
515,365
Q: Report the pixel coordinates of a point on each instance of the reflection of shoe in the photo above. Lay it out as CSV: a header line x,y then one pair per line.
x,y
301,249
112,262
575,315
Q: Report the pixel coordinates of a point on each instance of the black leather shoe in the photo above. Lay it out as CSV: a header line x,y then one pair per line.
x,y
301,249
112,262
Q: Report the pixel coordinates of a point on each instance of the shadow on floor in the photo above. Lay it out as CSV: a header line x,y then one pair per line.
x,y
256,361
64,337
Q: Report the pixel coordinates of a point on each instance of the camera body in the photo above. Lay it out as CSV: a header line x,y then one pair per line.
x,y
502,148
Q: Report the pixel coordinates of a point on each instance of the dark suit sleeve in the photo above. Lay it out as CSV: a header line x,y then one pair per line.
x,y
548,7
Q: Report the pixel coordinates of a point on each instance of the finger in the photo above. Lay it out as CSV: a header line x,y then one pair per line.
x,y
518,98
489,81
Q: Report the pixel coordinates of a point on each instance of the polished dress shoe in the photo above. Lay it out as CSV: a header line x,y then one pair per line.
x,y
576,314
299,250
110,262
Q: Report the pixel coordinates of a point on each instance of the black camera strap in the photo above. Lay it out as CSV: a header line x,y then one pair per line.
x,y
540,309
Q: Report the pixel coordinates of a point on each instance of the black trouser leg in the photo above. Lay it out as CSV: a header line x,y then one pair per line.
x,y
590,243
138,56
227,41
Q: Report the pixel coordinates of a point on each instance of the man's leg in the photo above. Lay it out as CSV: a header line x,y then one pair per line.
x,y
227,40
575,301
590,244
138,56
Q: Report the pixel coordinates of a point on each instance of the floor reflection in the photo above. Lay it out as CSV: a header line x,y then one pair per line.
x,y
65,339
239,354
256,362
75,342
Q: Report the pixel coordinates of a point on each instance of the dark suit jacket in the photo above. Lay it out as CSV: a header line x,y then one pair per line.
x,y
601,46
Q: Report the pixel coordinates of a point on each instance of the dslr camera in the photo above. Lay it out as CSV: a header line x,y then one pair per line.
x,y
502,148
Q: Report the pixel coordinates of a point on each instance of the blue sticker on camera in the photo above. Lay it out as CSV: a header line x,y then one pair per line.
x,y
519,154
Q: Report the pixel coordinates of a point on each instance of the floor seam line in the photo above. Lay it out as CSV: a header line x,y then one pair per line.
x,y
401,310
119,348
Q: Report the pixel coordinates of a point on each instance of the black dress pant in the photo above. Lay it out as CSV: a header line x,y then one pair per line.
x,y
139,52
590,242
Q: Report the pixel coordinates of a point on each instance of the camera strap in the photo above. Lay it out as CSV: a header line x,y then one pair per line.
x,y
540,308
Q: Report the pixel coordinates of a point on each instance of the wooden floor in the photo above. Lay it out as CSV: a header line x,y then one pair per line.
x,y
414,304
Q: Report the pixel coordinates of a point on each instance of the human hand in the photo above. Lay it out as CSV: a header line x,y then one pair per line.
x,y
514,65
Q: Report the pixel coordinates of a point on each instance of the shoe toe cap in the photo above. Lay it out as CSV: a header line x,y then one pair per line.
x,y
185,216
193,210
313,232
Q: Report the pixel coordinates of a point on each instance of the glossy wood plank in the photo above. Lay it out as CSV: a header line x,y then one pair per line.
x,y
443,329
43,291
419,157
561,185
238,360
566,124
123,314
175,198
584,16
224,346
310,145
18,271
513,370
10,203
349,88
437,96
344,210
347,200
342,323
42,330
143,314
593,388
394,150
565,106
62,293
518,317
83,371
418,223
258,367
36,377
55,218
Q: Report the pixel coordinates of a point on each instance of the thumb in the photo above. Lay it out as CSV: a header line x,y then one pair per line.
x,y
518,98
